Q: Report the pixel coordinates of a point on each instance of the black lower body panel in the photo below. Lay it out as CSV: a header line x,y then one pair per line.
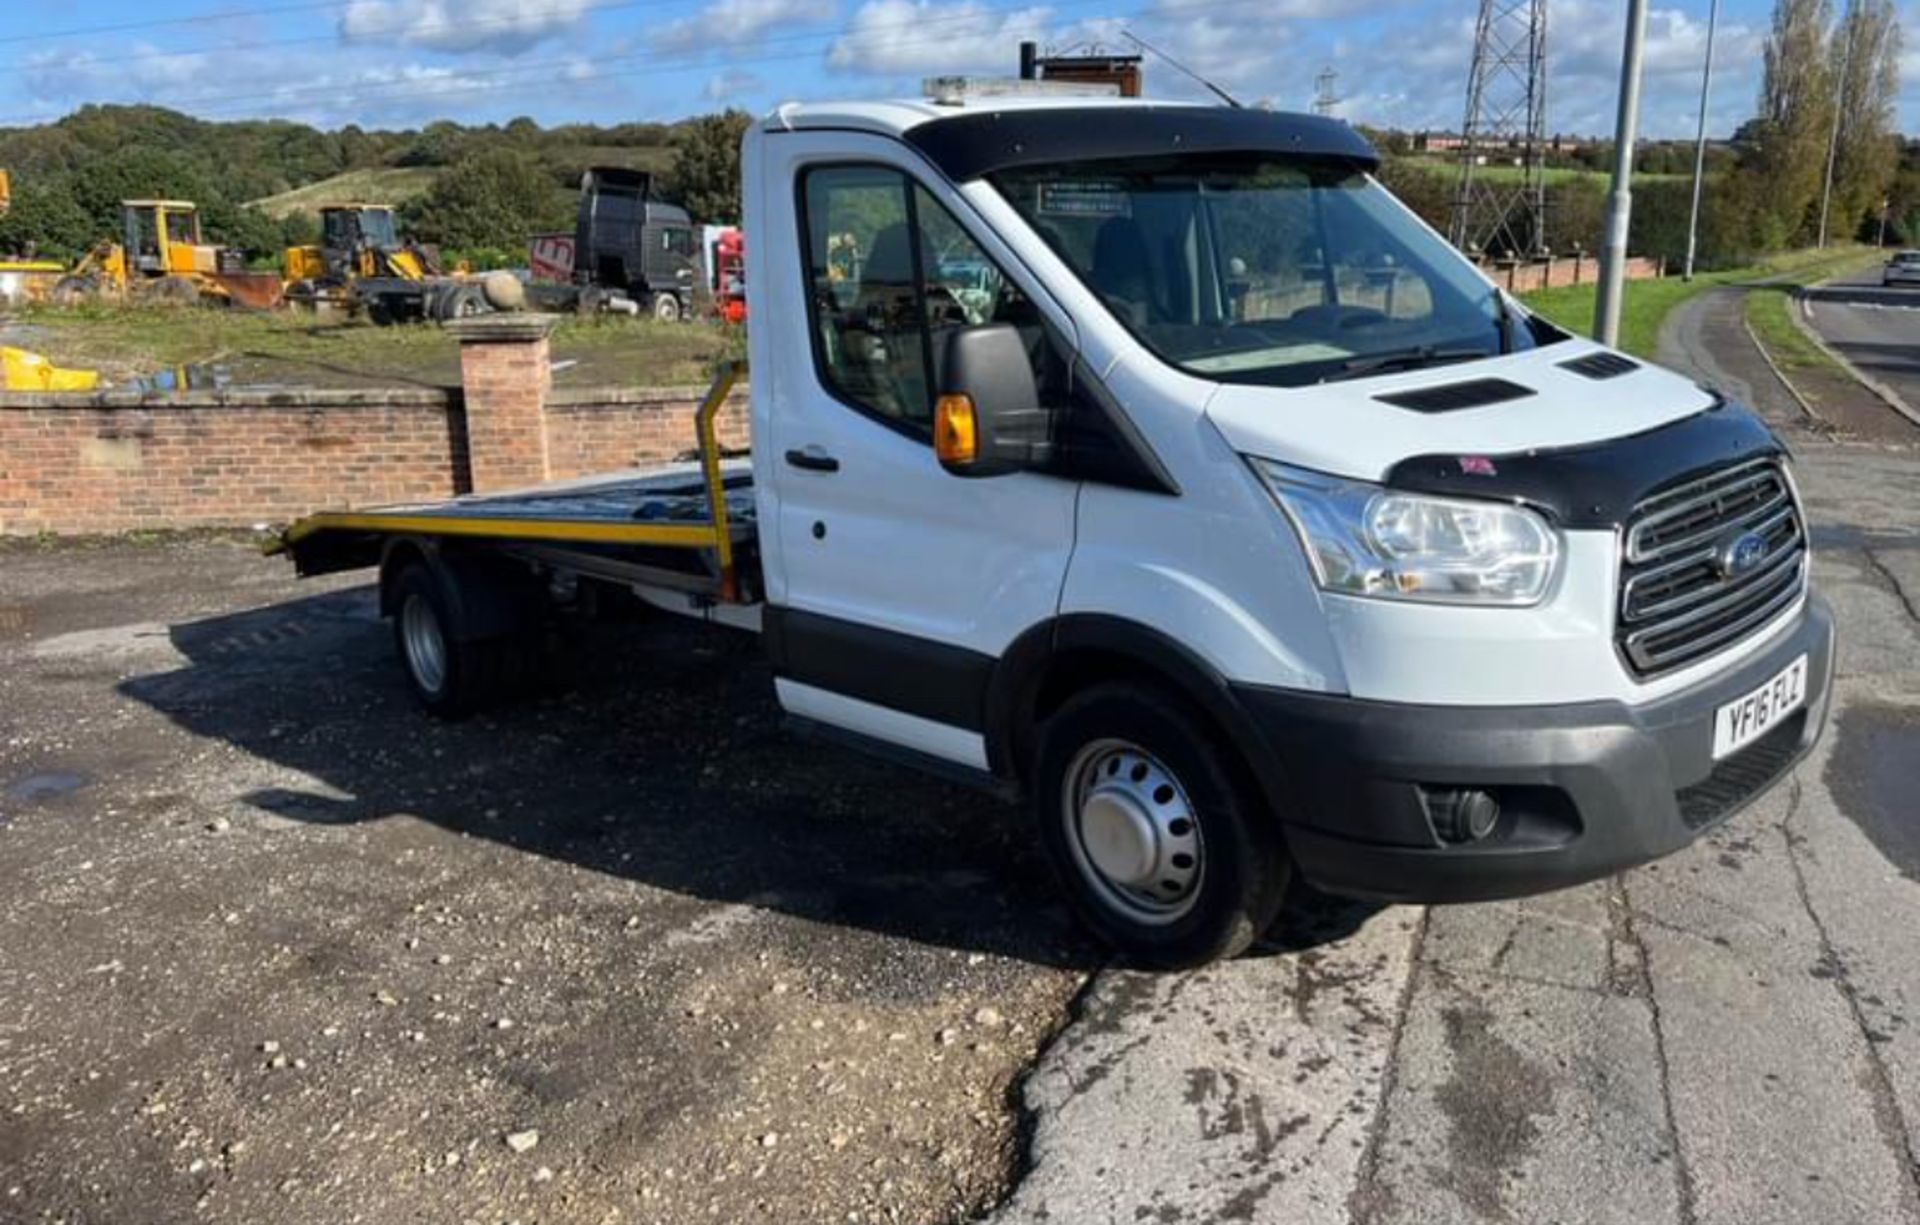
x,y
1583,790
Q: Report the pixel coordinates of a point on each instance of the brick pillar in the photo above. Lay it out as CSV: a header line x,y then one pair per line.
x,y
506,369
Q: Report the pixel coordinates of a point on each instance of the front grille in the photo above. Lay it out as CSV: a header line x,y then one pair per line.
x,y
1684,593
1742,776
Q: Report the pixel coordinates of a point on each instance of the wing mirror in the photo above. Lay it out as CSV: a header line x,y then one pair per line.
x,y
988,420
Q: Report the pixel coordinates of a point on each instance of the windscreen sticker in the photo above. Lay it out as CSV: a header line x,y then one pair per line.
x,y
1085,198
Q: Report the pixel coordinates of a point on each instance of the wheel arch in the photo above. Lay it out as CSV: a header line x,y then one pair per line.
x,y
1051,662
486,597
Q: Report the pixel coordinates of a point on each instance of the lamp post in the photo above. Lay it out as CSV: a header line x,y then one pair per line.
x,y
1700,144
1833,137
1613,252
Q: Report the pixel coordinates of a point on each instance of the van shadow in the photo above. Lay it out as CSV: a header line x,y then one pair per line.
x,y
662,761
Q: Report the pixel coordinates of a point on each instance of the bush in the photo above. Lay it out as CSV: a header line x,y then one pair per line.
x,y
492,199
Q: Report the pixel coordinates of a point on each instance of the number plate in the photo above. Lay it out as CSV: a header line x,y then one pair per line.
x,y
1744,720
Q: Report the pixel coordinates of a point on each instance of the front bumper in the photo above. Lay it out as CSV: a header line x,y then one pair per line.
x,y
1585,790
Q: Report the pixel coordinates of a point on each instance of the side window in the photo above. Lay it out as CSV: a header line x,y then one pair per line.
x,y
868,319
892,275
180,227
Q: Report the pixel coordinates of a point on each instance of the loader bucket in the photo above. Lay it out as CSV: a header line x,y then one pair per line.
x,y
254,290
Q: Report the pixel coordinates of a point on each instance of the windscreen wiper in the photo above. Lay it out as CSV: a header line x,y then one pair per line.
x,y
1401,359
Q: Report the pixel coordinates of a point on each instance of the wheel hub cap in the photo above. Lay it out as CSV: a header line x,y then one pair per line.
x,y
1133,832
1119,837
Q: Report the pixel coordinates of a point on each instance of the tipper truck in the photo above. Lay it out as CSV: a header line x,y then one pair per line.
x,y
1154,465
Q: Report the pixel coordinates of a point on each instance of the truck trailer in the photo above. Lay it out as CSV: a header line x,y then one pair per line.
x,y
1153,465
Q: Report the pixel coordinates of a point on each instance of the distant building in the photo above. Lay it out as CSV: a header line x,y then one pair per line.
x,y
1090,68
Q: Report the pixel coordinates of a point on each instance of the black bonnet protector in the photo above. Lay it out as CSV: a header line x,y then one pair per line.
x,y
1597,485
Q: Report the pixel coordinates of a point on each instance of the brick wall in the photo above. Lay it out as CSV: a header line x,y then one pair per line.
x,y
506,367
114,461
1564,270
592,431
107,464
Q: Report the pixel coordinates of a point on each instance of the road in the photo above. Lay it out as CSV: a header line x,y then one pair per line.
x,y
1722,1038
1875,328
276,948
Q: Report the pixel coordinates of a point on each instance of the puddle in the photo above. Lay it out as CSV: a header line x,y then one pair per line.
x,y
1874,775
46,786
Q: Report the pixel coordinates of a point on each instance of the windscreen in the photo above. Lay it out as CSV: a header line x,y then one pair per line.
x,y
378,228
1255,269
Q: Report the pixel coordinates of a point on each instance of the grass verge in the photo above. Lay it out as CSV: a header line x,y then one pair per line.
x,y
1648,303
126,343
1769,311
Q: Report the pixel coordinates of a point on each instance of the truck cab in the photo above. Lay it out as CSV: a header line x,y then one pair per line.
x,y
1152,463
629,242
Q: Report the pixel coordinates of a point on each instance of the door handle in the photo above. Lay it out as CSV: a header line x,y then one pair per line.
x,y
813,459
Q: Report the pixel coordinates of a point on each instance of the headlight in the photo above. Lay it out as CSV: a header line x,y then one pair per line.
x,y
1366,540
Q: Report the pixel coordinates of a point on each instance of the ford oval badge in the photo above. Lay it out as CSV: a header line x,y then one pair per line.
x,y
1743,554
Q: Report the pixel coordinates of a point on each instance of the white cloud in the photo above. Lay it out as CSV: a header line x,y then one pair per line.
x,y
504,26
63,76
1411,72
725,86
733,23
895,37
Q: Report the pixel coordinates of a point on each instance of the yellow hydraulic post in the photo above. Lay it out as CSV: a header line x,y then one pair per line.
x,y
723,380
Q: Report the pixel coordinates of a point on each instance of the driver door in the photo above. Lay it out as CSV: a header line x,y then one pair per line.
x,y
896,585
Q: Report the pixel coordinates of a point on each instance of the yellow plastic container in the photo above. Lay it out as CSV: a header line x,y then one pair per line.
x,y
26,371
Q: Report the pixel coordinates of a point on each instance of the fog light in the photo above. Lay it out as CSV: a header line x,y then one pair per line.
x,y
1462,814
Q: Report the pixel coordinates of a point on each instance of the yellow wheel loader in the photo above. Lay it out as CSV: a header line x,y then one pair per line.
x,y
363,265
160,257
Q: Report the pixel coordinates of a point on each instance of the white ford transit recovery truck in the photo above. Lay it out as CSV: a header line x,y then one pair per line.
x,y
1153,463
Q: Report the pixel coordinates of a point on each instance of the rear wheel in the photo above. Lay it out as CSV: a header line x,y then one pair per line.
x,y
462,302
450,675
1162,847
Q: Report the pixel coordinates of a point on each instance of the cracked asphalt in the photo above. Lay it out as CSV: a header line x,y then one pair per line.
x,y
277,948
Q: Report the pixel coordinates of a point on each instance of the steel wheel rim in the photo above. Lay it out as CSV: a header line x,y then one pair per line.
x,y
1133,832
426,646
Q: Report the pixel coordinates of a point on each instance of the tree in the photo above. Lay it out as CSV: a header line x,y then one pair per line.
x,y
1868,72
47,220
1790,138
491,199
706,166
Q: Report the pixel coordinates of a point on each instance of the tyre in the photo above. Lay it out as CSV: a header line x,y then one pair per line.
x,y
73,290
1162,846
174,291
450,676
666,308
380,313
462,302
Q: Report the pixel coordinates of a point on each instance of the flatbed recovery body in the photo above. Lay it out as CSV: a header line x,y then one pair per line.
x,y
687,527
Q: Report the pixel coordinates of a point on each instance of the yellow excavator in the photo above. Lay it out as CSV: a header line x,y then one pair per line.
x,y
24,277
161,257
363,265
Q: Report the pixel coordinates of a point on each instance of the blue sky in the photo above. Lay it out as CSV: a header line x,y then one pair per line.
x,y
400,63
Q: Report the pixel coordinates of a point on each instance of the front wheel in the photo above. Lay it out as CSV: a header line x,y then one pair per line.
x,y
1163,848
666,308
